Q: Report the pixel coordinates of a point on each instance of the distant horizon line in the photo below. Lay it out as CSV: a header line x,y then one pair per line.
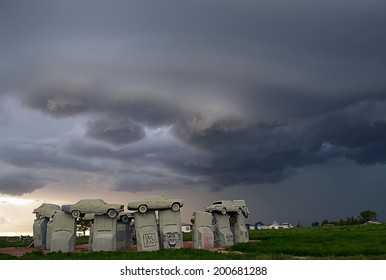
x,y
15,234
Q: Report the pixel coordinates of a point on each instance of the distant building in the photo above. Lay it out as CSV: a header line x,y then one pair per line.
x,y
276,225
372,223
186,227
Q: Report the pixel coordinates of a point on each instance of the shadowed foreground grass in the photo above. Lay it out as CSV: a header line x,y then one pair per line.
x,y
179,254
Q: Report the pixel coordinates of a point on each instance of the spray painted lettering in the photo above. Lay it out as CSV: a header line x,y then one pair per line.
x,y
208,241
149,239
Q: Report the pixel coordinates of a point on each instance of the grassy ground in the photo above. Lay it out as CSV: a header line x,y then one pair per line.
x,y
178,254
13,241
340,242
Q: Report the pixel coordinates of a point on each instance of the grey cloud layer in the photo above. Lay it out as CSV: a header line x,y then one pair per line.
x,y
251,91
18,183
115,131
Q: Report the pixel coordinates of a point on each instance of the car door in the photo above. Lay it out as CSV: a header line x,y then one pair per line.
x,y
87,206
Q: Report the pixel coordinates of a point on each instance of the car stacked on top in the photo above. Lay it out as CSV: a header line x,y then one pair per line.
x,y
229,206
155,202
93,206
99,207
46,210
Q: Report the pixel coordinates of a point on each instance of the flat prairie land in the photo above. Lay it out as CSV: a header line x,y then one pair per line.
x,y
335,242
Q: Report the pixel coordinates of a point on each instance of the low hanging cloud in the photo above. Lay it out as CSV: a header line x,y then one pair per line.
x,y
18,183
150,181
115,131
239,148
41,155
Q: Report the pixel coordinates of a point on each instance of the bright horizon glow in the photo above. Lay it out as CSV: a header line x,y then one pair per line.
x,y
13,234
15,200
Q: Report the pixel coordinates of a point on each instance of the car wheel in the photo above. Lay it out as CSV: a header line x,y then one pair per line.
x,y
75,214
239,211
175,207
142,208
223,211
125,219
232,220
112,213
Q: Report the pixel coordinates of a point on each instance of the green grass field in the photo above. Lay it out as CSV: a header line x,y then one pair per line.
x,y
329,243
339,242
13,241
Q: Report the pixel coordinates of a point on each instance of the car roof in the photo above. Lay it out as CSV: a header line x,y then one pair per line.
x,y
87,199
153,196
221,201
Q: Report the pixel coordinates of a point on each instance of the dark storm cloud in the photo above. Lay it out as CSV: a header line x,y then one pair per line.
x,y
157,158
253,90
64,98
115,131
18,183
151,181
271,152
73,96
37,155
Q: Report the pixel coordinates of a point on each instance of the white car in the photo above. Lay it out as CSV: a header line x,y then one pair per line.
x,y
95,206
155,202
226,206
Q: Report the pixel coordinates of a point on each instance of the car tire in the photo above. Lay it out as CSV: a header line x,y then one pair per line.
x,y
223,211
232,220
125,219
112,213
142,208
175,207
75,214
239,211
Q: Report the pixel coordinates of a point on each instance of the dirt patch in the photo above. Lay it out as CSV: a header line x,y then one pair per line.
x,y
16,251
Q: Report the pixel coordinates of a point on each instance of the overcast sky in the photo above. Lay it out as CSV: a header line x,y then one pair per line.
x,y
280,103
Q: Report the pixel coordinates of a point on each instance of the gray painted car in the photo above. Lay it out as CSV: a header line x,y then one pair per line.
x,y
155,202
240,204
125,217
46,210
95,206
225,206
